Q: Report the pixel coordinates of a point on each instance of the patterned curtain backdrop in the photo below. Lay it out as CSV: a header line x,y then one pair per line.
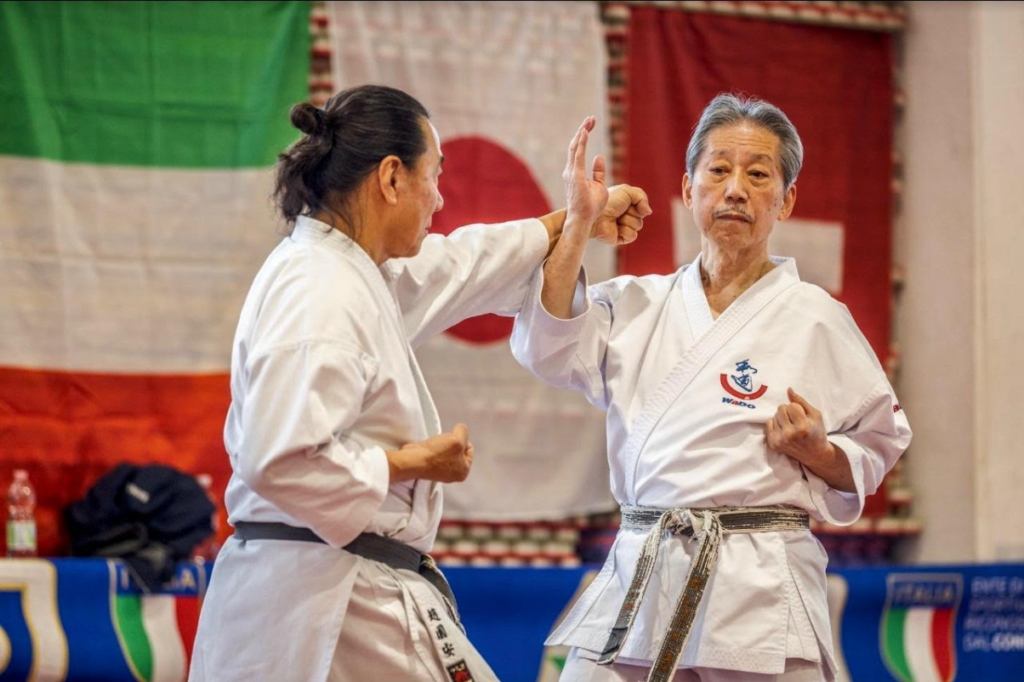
x,y
135,170
507,84
870,15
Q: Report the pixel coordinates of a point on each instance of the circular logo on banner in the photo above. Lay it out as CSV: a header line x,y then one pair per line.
x,y
485,183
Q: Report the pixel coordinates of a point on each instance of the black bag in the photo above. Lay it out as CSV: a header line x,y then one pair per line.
x,y
149,516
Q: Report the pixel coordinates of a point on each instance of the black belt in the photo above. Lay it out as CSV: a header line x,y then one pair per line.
x,y
367,545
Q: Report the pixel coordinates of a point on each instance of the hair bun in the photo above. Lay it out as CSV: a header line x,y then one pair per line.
x,y
308,118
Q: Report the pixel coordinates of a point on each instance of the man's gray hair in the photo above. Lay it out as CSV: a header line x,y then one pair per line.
x,y
725,110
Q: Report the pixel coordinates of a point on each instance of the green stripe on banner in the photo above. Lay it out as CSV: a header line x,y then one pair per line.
x,y
182,84
894,634
132,632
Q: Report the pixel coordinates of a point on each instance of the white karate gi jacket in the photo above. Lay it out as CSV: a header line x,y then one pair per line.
x,y
323,381
685,426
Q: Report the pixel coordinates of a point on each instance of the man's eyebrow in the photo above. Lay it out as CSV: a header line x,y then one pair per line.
x,y
757,157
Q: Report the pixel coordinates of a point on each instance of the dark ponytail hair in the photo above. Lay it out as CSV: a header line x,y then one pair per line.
x,y
343,143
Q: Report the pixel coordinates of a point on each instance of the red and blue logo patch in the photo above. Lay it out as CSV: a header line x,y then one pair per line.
x,y
742,386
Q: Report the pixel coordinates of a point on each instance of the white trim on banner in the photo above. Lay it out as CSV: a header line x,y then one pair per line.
x,y
117,269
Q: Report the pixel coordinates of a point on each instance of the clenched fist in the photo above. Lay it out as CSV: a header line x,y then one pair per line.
x,y
798,431
446,458
623,215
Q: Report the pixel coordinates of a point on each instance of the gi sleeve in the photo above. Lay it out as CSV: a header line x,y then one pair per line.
x,y
873,439
569,353
475,270
301,400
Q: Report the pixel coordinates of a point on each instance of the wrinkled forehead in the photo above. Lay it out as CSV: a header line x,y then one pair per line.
x,y
743,142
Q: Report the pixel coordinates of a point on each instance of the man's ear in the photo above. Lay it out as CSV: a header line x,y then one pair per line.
x,y
388,177
788,202
687,191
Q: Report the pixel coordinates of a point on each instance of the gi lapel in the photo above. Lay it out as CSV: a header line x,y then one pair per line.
x,y
425,494
698,312
431,420
705,347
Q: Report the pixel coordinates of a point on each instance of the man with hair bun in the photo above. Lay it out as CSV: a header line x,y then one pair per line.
x,y
336,450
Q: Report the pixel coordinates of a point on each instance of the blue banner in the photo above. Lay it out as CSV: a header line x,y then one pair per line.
x,y
919,624
895,624
66,620
73,619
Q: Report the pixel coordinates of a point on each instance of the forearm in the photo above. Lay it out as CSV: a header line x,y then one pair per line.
x,y
553,222
561,273
406,464
834,469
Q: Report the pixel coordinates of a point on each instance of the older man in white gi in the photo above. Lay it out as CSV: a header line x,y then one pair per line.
x,y
741,401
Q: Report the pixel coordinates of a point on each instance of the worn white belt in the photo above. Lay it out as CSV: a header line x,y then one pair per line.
x,y
708,526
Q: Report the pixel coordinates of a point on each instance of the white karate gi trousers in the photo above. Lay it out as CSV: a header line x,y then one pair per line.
x,y
579,669
397,629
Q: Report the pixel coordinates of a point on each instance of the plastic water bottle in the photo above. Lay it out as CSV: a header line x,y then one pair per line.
x,y
208,548
21,520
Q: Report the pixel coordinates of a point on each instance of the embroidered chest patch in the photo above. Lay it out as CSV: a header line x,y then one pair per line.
x,y
741,385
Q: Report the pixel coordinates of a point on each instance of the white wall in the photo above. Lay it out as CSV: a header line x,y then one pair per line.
x,y
999,277
960,239
934,243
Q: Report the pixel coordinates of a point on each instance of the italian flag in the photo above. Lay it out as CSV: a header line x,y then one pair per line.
x,y
155,631
917,630
136,155
149,637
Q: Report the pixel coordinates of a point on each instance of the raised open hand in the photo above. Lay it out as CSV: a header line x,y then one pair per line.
x,y
585,197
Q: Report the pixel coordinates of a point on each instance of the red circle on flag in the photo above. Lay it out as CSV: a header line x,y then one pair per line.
x,y
485,183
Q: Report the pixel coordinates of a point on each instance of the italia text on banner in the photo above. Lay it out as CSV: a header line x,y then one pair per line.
x,y
86,619
930,623
507,84
135,174
156,631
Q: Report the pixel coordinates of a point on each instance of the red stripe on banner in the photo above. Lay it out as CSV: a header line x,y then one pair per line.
x,y
836,87
942,642
187,609
69,428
